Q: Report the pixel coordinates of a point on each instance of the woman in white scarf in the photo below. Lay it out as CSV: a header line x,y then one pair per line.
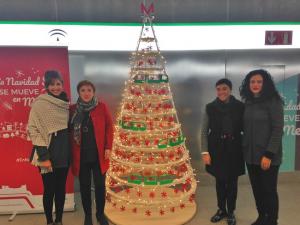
x,y
48,131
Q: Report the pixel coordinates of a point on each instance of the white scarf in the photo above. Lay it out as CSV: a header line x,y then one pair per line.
x,y
47,116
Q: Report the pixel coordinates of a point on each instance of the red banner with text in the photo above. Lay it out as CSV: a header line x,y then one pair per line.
x,y
21,80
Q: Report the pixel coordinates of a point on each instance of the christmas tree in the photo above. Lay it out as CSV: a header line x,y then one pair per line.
x,y
150,174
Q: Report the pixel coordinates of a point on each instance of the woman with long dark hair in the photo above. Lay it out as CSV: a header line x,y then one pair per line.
x,y
92,133
262,144
48,131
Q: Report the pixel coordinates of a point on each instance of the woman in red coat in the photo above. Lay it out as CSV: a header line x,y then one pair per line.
x,y
92,134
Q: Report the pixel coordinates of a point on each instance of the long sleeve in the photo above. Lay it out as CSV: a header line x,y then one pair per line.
x,y
204,133
108,129
35,135
43,153
37,139
276,117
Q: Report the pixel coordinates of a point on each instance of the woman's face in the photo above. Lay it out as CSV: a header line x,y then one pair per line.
x,y
223,92
256,84
86,93
55,87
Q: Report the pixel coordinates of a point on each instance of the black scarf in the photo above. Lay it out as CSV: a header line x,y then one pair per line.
x,y
225,108
63,96
77,118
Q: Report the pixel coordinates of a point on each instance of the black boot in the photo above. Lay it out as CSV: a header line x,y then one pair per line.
x,y
102,220
271,221
220,214
261,220
231,219
88,220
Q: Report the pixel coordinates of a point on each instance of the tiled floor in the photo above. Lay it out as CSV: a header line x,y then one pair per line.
x,y
289,194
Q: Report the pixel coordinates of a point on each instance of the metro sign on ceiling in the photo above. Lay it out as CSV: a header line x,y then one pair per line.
x,y
279,37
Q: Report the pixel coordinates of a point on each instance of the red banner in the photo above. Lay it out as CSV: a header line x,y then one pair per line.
x,y
21,80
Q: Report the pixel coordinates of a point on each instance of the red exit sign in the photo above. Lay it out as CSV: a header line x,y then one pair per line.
x,y
278,37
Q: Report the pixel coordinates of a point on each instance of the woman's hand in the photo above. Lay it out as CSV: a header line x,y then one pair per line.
x,y
265,163
206,159
46,164
106,153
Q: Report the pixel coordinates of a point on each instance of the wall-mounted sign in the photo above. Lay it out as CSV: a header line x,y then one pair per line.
x,y
279,37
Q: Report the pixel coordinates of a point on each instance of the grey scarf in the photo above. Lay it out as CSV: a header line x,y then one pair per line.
x,y
77,118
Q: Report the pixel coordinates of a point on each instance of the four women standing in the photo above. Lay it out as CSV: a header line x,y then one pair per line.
x,y
225,118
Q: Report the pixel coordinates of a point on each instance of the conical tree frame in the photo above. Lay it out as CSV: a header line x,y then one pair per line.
x,y
150,174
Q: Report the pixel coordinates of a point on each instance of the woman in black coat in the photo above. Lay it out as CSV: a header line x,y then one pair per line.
x,y
262,144
221,148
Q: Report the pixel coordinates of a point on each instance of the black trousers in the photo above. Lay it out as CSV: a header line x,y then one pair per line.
x,y
264,187
227,194
86,170
54,189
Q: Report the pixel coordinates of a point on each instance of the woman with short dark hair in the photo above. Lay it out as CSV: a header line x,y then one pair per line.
x,y
92,133
48,131
262,144
221,148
